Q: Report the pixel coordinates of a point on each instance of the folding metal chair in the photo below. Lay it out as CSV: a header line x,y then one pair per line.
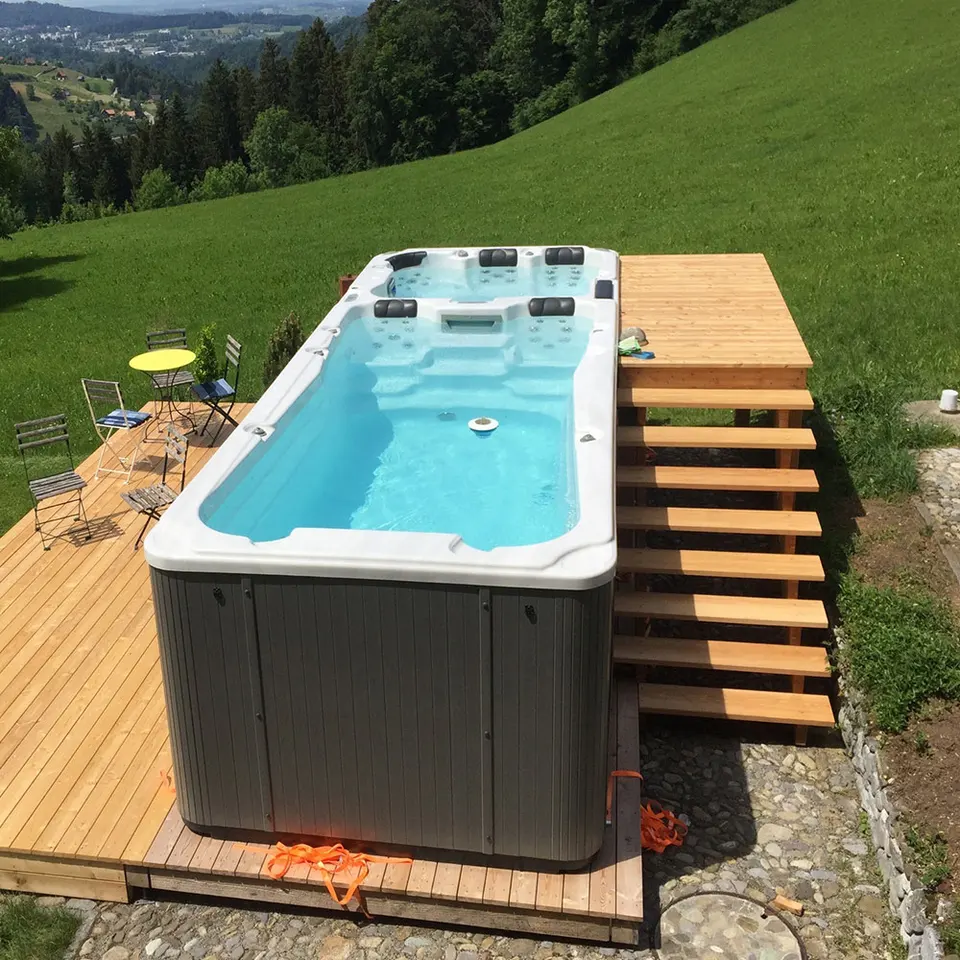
x,y
170,340
151,501
104,395
43,486
215,393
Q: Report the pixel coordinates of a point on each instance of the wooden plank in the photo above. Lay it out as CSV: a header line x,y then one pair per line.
x,y
707,399
57,867
395,877
446,881
472,881
729,438
627,803
721,563
550,892
420,879
768,658
641,373
523,889
205,856
729,704
709,310
496,890
447,913
603,873
165,840
576,892
713,520
749,479
755,611
64,886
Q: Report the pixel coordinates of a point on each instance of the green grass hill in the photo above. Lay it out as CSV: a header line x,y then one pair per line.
x,y
824,135
48,113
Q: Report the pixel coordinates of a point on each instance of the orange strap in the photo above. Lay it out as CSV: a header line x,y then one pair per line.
x,y
328,861
659,828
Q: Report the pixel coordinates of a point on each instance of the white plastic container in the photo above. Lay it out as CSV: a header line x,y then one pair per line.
x,y
948,401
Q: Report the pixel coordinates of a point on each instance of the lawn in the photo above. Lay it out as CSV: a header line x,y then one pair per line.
x,y
49,114
31,932
824,135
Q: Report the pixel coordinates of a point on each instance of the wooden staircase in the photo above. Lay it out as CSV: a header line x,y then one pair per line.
x,y
766,638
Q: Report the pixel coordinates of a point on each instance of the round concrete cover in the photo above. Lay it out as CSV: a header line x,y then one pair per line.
x,y
711,926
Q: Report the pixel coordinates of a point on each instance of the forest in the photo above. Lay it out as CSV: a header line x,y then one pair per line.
x,y
424,77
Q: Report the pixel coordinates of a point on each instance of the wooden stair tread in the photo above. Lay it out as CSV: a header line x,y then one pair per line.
x,y
725,703
758,611
707,399
719,478
731,438
783,523
721,563
775,658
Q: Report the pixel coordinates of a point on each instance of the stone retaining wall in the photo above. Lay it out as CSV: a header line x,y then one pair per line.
x,y
907,900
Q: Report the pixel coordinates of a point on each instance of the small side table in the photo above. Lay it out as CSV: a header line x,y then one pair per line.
x,y
166,361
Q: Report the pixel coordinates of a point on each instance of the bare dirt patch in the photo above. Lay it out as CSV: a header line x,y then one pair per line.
x,y
897,548
924,761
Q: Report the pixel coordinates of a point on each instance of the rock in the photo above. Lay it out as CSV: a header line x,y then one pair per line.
x,y
912,912
519,948
81,906
87,947
930,946
855,847
870,906
416,942
369,943
802,890
335,947
116,953
872,929
153,946
50,901
829,888
773,831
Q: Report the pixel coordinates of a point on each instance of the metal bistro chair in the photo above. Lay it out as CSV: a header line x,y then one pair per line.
x,y
31,435
150,501
216,392
104,395
169,340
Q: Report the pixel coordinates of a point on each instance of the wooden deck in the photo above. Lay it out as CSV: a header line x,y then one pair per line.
x,y
86,808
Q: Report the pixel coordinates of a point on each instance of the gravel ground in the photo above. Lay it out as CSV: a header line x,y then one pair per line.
x,y
939,476
763,818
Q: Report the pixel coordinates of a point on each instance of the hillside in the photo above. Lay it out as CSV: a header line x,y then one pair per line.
x,y
823,135
85,97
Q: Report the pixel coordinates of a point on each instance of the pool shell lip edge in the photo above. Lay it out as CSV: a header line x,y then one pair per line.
x,y
581,558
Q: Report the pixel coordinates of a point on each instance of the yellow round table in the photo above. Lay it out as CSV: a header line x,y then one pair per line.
x,y
156,362
163,361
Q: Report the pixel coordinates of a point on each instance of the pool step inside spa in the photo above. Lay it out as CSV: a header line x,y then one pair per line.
x,y
718,605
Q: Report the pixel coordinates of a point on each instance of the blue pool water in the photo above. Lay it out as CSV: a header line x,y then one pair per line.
x,y
379,441
450,281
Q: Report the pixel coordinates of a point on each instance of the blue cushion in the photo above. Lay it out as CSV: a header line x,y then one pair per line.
x,y
215,390
116,418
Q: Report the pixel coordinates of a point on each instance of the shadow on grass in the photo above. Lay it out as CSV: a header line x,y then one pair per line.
x,y
20,282
20,290
22,265
837,502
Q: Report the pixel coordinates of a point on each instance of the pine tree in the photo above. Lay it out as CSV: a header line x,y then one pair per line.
x,y
56,159
313,73
246,88
273,86
217,120
178,150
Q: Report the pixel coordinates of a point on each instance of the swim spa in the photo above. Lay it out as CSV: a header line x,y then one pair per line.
x,y
382,625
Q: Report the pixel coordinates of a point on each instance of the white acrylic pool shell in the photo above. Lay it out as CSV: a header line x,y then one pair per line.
x,y
583,557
